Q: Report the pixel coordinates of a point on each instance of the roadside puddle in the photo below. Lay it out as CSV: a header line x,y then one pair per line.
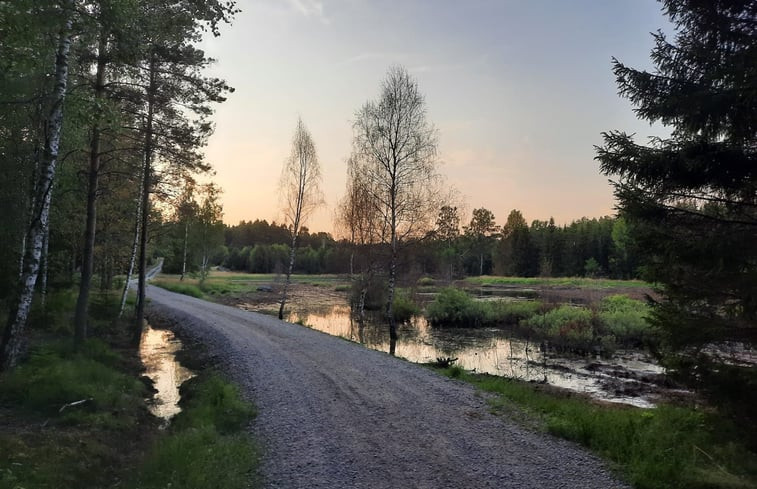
x,y
157,351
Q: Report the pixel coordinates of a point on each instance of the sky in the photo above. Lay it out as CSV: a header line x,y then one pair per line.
x,y
519,91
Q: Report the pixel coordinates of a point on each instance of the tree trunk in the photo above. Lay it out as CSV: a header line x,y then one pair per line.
x,y
392,278
146,181
289,275
184,260
87,267
134,246
481,265
45,267
14,330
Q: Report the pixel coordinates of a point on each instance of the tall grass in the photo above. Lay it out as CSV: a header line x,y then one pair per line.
x,y
661,448
206,446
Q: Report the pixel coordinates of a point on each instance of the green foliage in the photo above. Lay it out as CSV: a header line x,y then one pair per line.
x,y
626,319
455,307
660,448
566,327
55,375
206,446
426,281
689,199
403,307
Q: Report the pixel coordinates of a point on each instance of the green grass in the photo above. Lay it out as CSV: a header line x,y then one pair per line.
x,y
573,282
206,446
83,445
233,283
55,375
664,447
183,287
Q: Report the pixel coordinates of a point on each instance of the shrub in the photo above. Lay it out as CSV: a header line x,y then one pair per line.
x,y
403,307
426,281
453,307
566,327
625,319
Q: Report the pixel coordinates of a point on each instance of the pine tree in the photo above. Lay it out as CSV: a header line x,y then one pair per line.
x,y
690,198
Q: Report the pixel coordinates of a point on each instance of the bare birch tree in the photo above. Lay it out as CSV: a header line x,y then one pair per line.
x,y
358,220
300,193
398,146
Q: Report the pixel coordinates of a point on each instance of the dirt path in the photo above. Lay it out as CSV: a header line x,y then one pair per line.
x,y
336,415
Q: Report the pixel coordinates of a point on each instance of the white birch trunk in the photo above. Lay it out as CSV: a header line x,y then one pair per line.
x,y
13,335
134,247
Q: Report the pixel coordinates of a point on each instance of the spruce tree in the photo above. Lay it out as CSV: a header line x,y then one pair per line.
x,y
690,198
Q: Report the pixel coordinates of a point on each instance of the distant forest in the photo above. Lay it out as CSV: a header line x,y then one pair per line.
x,y
597,247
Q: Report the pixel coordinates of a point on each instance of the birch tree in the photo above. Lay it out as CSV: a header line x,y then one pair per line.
x,y
14,330
300,193
398,146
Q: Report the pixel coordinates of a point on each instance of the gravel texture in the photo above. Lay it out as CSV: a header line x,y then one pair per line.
x,y
333,414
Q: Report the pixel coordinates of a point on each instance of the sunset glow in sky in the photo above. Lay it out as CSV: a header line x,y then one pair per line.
x,y
519,91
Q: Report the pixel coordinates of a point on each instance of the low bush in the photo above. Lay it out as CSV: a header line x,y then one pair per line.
x,y
454,307
625,319
403,306
567,328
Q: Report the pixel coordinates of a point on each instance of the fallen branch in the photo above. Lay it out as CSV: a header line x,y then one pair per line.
x,y
75,403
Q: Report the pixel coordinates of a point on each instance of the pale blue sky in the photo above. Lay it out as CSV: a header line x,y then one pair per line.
x,y
519,90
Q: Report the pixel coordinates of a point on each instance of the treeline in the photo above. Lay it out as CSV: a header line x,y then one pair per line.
x,y
597,247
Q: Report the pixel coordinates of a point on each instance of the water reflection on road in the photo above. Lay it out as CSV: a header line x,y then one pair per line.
x,y
157,350
494,351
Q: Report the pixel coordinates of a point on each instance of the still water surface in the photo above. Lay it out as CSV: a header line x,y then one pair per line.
x,y
157,350
495,351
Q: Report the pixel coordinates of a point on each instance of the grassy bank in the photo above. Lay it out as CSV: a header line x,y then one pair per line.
x,y
573,282
234,283
79,419
664,447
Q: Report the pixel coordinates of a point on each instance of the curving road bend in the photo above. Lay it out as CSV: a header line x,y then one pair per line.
x,y
333,414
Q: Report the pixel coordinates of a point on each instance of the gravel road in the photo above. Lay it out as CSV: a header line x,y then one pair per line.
x,y
333,414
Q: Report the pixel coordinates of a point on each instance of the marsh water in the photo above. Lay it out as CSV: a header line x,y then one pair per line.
x,y
157,350
628,377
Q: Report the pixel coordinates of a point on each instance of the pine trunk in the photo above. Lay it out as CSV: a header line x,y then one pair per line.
x,y
85,284
146,181
14,330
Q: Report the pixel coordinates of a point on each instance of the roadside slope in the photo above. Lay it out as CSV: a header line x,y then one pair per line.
x,y
334,414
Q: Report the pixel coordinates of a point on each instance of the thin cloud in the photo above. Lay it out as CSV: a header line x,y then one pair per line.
x,y
309,8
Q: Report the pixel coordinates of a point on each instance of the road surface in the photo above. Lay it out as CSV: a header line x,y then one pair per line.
x,y
333,414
